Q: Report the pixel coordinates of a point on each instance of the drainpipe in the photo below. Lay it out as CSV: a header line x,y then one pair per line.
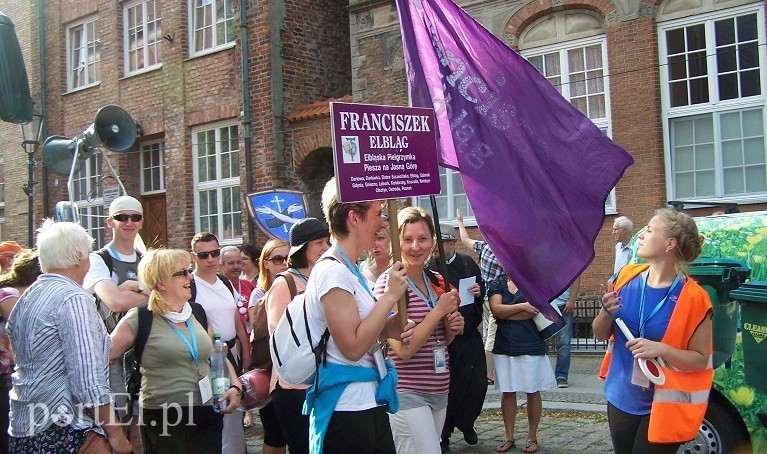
x,y
246,120
276,21
43,94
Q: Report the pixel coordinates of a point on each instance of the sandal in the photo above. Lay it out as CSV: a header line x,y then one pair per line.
x,y
506,445
490,382
248,420
529,446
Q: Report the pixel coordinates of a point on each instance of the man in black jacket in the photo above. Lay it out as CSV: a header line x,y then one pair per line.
x,y
468,369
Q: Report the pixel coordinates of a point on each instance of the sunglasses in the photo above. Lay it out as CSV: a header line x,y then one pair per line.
x,y
204,255
277,259
184,272
125,217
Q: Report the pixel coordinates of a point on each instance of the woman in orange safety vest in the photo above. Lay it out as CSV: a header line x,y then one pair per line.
x,y
669,315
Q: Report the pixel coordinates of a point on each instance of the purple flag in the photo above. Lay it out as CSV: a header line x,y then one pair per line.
x,y
536,171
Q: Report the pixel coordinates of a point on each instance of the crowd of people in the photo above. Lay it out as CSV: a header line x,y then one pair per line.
x,y
109,349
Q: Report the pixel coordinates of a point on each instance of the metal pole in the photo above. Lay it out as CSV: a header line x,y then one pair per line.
x,y
440,246
29,189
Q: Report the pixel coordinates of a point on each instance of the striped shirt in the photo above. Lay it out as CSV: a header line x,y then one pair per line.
x,y
62,354
417,373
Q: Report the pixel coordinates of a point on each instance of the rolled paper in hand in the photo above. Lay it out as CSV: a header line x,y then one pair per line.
x,y
547,328
651,368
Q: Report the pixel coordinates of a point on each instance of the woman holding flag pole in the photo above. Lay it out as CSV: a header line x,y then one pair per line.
x,y
423,366
668,319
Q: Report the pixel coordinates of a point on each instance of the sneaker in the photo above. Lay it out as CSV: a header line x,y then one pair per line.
x,y
562,383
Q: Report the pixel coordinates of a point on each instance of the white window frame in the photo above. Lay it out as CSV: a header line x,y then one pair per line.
x,y
450,195
145,45
714,107
145,152
90,57
195,28
604,123
90,203
218,183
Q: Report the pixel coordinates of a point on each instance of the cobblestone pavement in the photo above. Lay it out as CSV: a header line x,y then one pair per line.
x,y
573,421
558,432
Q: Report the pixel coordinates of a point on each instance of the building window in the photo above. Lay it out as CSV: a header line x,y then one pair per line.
x,y
212,24
711,87
217,182
88,194
577,69
452,198
142,34
84,54
152,167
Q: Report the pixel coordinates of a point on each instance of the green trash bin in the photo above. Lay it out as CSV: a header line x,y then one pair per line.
x,y
720,276
752,297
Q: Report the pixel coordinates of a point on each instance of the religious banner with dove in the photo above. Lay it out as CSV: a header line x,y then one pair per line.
x,y
275,211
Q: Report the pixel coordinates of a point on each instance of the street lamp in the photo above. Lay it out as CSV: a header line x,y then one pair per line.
x,y
31,133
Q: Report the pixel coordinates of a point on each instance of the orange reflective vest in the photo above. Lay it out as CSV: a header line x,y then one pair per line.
x,y
680,403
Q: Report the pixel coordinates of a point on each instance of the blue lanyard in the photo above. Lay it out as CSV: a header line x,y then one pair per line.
x,y
191,346
356,272
430,300
298,273
643,321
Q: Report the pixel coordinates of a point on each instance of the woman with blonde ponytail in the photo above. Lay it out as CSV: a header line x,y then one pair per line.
x,y
669,316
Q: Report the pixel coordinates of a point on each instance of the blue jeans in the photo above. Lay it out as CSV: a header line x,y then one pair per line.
x,y
563,346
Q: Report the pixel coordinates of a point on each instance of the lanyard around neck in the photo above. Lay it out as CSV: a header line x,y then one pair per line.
x,y
191,346
429,299
355,271
643,321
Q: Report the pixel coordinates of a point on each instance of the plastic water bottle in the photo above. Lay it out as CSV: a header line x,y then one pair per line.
x,y
219,372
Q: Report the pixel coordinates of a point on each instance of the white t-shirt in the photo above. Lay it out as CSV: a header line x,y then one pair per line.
x,y
98,270
219,305
325,276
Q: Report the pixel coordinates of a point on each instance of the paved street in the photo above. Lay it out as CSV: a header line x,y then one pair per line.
x,y
574,418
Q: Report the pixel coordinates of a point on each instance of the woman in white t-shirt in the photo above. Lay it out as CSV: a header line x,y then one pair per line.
x,y
347,401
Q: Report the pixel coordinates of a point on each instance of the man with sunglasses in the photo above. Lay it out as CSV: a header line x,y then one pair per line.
x,y
213,294
113,279
231,267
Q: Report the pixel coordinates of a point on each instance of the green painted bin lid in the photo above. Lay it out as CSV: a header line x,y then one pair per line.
x,y
751,291
714,266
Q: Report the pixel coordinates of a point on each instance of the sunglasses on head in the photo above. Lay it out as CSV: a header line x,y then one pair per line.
x,y
204,255
277,259
124,217
184,272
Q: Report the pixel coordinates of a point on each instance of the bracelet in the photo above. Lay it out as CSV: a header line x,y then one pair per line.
x,y
239,389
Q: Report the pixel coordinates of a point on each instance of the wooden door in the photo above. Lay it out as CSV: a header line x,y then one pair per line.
x,y
155,230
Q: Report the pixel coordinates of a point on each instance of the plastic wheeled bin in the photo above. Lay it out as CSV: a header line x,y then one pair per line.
x,y
752,297
720,276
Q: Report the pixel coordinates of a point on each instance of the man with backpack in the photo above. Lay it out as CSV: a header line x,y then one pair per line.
x,y
113,279
214,292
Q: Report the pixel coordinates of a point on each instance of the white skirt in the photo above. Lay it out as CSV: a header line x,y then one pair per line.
x,y
526,374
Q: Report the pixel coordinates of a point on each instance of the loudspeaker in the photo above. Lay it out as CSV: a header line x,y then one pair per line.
x,y
113,127
15,100
58,153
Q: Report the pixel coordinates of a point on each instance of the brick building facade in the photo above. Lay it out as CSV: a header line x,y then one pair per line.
x,y
204,138
610,59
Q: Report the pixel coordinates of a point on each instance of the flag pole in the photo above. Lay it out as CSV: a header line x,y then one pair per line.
x,y
440,245
396,253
